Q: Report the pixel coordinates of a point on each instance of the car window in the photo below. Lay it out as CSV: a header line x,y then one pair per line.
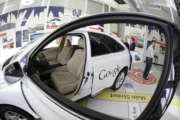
x,y
112,44
72,39
54,43
103,44
97,46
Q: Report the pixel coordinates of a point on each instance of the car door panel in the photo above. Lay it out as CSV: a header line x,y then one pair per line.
x,y
106,69
44,106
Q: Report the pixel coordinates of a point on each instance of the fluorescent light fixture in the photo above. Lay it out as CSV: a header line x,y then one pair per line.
x,y
27,2
120,1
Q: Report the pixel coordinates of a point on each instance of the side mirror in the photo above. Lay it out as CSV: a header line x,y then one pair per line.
x,y
139,87
13,73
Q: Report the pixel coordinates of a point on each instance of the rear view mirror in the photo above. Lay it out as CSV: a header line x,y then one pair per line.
x,y
13,72
118,69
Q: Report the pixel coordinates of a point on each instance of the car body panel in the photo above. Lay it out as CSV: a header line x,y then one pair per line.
x,y
104,73
11,94
86,82
44,105
108,72
99,65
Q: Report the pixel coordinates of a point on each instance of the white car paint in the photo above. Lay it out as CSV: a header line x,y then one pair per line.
x,y
11,94
7,53
43,105
101,65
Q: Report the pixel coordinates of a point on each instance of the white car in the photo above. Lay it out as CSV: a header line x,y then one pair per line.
x,y
79,64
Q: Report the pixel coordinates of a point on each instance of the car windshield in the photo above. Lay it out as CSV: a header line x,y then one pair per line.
x,y
29,43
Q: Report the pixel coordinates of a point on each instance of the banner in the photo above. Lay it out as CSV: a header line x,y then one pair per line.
x,y
27,21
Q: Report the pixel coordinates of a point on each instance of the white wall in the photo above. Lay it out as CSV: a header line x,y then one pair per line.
x,y
94,7
87,7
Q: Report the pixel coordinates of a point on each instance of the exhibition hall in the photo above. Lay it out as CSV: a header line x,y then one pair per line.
x,y
89,59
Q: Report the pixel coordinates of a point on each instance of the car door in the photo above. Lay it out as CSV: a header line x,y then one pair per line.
x,y
84,88
101,57
40,102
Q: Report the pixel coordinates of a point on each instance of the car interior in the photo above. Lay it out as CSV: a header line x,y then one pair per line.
x,y
61,63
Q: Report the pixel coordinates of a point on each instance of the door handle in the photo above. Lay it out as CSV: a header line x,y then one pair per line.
x,y
86,77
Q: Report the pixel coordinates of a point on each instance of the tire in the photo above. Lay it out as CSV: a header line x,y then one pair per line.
x,y
119,80
13,113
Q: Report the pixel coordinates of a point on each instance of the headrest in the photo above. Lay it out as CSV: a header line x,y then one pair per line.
x,y
67,42
81,43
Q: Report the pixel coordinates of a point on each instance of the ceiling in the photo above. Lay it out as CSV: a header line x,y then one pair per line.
x,y
1,1
165,9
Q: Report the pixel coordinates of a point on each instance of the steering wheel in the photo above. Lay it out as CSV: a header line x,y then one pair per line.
x,y
41,61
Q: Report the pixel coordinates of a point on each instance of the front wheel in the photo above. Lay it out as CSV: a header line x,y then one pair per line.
x,y
119,80
13,113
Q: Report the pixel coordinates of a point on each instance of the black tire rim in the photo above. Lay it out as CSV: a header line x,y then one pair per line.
x,y
120,80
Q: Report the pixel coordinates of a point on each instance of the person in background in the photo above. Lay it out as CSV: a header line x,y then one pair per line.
x,y
149,59
126,42
133,44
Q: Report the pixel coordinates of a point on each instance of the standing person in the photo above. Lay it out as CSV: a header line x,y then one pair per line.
x,y
133,44
149,59
126,42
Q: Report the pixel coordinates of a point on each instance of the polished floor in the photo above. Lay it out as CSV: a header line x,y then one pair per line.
x,y
131,99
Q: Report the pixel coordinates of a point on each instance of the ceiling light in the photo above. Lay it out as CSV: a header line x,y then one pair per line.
x,y
27,2
120,1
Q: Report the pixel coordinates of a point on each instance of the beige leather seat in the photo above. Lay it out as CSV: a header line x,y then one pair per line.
x,y
55,56
66,81
65,55
50,54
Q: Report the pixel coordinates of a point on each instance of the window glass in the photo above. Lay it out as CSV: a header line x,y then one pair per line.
x,y
112,44
102,44
97,46
54,43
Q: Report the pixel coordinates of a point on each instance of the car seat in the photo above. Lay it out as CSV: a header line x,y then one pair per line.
x,y
67,81
61,55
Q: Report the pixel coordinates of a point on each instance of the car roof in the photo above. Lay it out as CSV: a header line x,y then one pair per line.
x,y
98,32
83,30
